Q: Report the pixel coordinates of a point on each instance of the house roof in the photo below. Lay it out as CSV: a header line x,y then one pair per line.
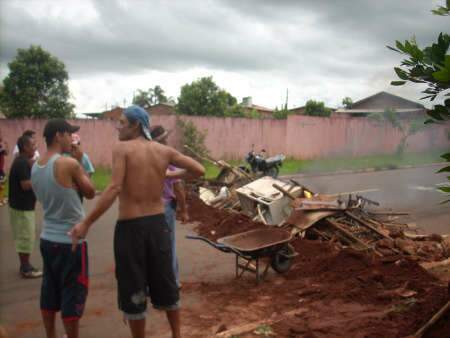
x,y
377,110
257,107
400,101
301,109
168,104
93,115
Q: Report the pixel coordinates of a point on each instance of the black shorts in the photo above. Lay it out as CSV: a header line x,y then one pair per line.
x,y
65,280
142,251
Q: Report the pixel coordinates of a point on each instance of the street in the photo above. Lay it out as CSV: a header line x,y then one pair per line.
x,y
410,190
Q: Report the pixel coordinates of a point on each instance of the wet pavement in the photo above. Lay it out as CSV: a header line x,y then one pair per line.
x,y
402,190
411,190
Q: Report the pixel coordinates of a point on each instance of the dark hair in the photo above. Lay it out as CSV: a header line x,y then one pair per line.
x,y
22,142
157,131
29,133
55,126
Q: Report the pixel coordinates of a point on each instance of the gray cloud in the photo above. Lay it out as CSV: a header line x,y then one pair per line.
x,y
293,40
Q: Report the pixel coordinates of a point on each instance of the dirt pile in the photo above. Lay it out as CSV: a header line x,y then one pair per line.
x,y
215,223
346,294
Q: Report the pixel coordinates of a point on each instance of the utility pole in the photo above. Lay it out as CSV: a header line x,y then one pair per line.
x,y
287,98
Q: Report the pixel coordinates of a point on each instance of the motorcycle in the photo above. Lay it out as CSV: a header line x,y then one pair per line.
x,y
265,166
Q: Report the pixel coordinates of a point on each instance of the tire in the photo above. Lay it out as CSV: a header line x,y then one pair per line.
x,y
272,172
279,262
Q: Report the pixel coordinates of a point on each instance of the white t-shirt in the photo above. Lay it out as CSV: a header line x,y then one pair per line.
x,y
16,152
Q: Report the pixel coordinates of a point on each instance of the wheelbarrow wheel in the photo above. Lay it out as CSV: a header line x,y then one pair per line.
x,y
282,260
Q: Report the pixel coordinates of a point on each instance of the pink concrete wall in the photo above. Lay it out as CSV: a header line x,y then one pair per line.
x,y
231,138
316,137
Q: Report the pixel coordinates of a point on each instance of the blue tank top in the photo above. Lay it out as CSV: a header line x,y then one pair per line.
x,y
62,206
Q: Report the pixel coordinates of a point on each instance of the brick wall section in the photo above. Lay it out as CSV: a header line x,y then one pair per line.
x,y
304,137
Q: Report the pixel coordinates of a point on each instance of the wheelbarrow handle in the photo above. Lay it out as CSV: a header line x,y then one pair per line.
x,y
220,246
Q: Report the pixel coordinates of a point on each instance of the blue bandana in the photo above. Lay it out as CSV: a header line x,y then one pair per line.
x,y
136,113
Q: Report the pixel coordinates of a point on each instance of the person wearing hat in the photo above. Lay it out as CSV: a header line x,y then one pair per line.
x,y
56,180
142,237
173,196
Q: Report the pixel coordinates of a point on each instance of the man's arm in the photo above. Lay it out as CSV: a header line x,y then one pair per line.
x,y
107,198
25,185
192,168
82,181
180,195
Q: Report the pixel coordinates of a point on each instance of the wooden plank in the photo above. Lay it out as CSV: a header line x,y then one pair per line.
x,y
284,191
366,224
244,328
347,233
350,235
432,320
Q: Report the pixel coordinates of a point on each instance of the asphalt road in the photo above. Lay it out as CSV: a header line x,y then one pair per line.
x,y
411,190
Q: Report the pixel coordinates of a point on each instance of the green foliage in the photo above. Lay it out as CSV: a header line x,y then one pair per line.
x,y
192,137
429,66
204,98
253,114
36,86
347,102
281,114
234,111
148,98
316,108
442,10
390,116
264,330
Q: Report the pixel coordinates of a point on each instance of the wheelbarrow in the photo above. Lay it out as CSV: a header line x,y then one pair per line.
x,y
254,245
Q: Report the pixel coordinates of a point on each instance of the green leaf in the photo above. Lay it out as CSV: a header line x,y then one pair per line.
x,y
397,83
435,115
429,121
441,109
442,75
443,170
446,157
399,45
394,49
401,73
444,189
444,202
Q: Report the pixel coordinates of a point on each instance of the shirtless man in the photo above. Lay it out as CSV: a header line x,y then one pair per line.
x,y
142,247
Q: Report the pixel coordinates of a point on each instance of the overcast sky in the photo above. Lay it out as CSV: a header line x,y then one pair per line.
x,y
323,50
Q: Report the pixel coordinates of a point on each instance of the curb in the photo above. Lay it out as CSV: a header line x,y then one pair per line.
x,y
365,170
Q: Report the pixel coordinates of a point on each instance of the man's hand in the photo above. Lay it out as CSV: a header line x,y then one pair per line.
x,y
175,174
184,216
79,231
76,152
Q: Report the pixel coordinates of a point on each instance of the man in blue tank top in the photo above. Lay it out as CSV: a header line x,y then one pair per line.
x,y
142,237
56,181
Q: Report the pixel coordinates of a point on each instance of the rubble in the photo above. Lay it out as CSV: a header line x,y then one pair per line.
x,y
343,219
360,254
